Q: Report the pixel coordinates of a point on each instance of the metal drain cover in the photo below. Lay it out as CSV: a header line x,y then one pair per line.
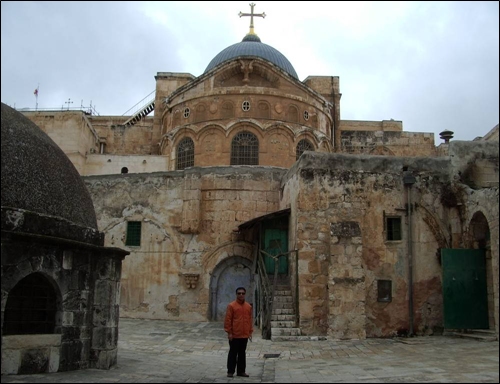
x,y
271,355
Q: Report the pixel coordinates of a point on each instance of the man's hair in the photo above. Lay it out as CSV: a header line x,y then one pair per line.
x,y
237,289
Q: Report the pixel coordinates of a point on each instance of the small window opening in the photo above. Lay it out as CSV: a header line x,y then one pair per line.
x,y
187,111
245,106
124,170
133,233
384,288
393,226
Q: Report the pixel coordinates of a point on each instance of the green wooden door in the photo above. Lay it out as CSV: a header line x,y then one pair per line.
x,y
276,243
465,303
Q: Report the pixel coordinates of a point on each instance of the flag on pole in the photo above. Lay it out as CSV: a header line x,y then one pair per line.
x,y
36,92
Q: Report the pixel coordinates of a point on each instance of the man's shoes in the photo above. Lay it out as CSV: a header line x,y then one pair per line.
x,y
230,375
243,374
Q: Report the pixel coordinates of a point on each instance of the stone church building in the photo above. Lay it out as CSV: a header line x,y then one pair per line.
x,y
248,176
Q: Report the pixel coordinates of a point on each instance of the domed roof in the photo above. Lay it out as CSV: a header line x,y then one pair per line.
x,y
251,46
38,177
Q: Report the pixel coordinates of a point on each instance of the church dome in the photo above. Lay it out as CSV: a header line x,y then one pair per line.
x,y
251,46
38,178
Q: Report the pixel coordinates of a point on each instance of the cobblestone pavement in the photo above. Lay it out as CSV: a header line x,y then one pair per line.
x,y
155,351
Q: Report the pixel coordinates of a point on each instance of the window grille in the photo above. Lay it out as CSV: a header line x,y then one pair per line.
x,y
306,115
393,225
185,153
245,106
245,149
187,111
303,145
133,233
31,307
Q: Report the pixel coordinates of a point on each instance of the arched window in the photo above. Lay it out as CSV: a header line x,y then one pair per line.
x,y
31,307
185,153
303,145
245,149
124,170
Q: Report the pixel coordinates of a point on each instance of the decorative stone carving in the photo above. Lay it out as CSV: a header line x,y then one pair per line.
x,y
191,279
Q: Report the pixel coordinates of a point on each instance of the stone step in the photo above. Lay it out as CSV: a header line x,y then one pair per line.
x,y
283,324
287,305
285,332
283,311
290,317
283,293
283,299
476,334
298,338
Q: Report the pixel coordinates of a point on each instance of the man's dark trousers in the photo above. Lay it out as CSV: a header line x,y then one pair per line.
x,y
236,357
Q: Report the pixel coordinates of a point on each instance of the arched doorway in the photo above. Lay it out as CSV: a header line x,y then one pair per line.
x,y
228,275
479,235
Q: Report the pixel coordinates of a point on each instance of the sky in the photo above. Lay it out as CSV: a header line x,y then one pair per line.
x,y
432,65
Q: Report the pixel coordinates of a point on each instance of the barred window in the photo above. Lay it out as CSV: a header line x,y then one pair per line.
x,y
303,145
245,149
185,153
133,233
31,307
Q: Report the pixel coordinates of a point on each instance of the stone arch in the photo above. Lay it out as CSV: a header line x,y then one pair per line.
x,y
292,114
227,110
233,268
211,149
200,112
44,294
479,237
263,110
230,274
381,150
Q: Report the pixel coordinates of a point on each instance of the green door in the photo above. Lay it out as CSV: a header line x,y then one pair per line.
x,y
465,303
276,243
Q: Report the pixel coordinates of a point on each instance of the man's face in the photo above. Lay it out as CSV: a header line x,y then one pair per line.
x,y
240,296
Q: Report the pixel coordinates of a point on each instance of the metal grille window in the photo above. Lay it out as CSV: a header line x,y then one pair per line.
x,y
384,288
31,307
185,153
303,145
245,149
133,233
393,228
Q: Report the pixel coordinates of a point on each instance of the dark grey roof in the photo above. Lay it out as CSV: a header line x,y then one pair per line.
x,y
251,46
38,177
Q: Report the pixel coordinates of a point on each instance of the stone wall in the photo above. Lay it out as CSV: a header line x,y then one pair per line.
x,y
189,221
388,143
333,190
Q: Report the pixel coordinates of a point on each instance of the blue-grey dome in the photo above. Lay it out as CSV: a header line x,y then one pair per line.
x,y
251,46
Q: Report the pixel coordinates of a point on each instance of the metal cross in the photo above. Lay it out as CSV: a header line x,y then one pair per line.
x,y
68,102
251,14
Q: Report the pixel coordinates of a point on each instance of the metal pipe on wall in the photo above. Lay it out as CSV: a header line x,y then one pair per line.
x,y
409,180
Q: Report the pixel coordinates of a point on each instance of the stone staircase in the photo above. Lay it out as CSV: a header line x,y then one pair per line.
x,y
283,319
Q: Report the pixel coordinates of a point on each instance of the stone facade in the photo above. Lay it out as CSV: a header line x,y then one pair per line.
x,y
345,187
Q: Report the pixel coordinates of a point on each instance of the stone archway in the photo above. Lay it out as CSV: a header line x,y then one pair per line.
x,y
228,275
479,238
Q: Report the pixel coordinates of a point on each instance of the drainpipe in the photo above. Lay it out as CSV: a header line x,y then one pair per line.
x,y
409,180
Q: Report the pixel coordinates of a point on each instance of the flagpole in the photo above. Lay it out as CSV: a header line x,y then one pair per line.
x,y
36,96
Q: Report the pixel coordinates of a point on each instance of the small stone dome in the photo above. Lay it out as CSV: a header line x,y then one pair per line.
x,y
251,46
38,177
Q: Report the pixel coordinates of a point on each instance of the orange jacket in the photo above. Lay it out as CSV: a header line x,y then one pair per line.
x,y
238,321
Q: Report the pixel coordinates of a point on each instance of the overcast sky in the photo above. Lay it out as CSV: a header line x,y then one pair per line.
x,y
432,65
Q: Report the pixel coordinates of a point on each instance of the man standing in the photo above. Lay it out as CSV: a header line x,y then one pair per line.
x,y
239,327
